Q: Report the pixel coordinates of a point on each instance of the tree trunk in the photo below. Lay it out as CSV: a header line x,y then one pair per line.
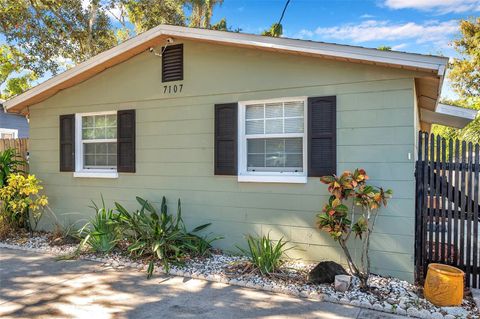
x,y
353,269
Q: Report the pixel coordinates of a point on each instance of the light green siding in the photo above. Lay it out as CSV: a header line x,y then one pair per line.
x,y
375,123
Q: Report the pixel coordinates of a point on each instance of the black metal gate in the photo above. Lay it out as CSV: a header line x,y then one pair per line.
x,y
447,210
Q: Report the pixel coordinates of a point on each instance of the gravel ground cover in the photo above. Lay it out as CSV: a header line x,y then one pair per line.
x,y
387,294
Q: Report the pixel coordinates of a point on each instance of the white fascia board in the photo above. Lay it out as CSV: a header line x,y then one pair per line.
x,y
429,62
411,60
456,111
446,119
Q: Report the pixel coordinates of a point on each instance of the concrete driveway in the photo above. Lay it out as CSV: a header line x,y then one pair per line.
x,y
34,285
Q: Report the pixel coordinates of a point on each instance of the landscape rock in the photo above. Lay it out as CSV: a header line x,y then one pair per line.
x,y
455,311
325,272
342,282
401,311
436,315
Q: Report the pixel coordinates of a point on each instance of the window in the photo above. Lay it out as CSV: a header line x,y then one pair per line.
x,y
96,146
272,142
7,133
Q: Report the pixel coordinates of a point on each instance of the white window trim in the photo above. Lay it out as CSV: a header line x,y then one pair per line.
x,y
90,172
12,131
270,177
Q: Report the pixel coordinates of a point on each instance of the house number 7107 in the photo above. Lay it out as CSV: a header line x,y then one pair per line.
x,y
172,88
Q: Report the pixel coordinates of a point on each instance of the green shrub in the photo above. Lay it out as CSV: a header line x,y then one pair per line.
x,y
101,233
160,236
10,163
264,254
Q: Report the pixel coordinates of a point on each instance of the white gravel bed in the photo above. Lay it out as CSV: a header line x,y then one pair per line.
x,y
388,294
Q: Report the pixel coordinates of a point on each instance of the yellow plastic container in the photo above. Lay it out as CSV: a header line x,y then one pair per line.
x,y
444,285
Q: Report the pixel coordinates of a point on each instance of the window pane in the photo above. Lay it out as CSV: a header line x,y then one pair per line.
x,y
273,110
275,145
294,160
256,146
274,126
111,120
100,155
278,155
87,121
99,127
88,133
275,160
111,132
101,148
278,118
100,160
255,161
99,133
89,149
254,111
294,125
112,160
112,148
254,127
293,145
89,160
293,109
100,120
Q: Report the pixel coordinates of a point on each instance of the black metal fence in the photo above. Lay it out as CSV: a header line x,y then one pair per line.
x,y
447,208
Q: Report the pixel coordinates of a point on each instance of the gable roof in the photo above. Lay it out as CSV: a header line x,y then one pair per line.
x,y
434,65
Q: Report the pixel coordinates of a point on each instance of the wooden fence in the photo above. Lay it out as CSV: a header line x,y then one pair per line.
x,y
447,206
20,145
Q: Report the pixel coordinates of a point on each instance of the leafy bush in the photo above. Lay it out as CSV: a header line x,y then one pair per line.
x,y
161,236
21,201
10,163
102,232
264,254
336,220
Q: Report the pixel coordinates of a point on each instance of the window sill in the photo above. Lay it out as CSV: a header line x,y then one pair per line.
x,y
96,174
273,179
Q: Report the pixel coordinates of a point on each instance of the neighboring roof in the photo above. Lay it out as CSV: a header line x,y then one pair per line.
x,y
435,65
449,115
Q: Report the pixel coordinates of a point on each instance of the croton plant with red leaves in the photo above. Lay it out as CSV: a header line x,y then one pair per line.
x,y
339,220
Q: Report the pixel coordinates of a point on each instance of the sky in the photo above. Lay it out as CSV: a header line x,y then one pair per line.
x,y
420,26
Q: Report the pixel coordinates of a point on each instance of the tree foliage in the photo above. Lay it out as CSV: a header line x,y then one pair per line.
x,y
276,30
464,75
49,36
13,77
202,11
147,14
465,71
50,33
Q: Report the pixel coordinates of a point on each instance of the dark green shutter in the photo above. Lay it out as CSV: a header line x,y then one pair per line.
x,y
322,139
226,119
67,143
126,141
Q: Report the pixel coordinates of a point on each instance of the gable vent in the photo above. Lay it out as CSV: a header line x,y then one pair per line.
x,y
172,63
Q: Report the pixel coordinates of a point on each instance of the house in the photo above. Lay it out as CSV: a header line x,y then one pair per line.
x,y
12,125
240,127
